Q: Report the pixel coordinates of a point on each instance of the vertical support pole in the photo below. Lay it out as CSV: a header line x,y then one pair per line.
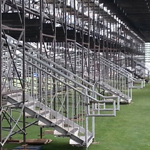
x,y
86,117
107,44
131,92
119,85
118,103
23,93
128,87
88,44
99,43
114,108
103,45
110,47
126,43
54,46
94,36
75,49
39,76
41,132
93,118
117,77
93,112
0,73
107,49
66,48
82,39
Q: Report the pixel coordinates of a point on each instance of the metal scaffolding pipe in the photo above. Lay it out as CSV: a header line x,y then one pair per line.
x,y
1,74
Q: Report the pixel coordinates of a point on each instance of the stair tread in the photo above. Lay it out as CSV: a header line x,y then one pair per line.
x,y
58,122
6,91
29,104
73,130
43,112
15,94
70,130
83,137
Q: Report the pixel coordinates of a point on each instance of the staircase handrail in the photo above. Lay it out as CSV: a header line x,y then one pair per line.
x,y
62,74
117,67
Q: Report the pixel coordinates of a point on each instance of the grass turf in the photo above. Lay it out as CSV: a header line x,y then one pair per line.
x,y
129,130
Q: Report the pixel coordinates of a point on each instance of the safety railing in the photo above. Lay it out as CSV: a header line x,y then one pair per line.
x,y
93,68
56,88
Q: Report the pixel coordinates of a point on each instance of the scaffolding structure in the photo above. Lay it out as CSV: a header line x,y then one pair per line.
x,y
58,59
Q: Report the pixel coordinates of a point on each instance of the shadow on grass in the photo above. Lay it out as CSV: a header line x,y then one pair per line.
x,y
60,144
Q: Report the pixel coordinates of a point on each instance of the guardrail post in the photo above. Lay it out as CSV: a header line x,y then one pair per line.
x,y
93,112
86,100
114,108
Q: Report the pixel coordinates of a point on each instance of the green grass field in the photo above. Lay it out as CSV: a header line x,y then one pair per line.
x,y
129,130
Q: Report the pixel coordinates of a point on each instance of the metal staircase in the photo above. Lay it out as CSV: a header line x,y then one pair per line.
x,y
137,69
141,67
54,95
106,75
51,118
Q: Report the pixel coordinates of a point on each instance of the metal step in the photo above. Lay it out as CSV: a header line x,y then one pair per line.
x,y
14,95
58,122
90,140
68,131
43,112
17,96
30,104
